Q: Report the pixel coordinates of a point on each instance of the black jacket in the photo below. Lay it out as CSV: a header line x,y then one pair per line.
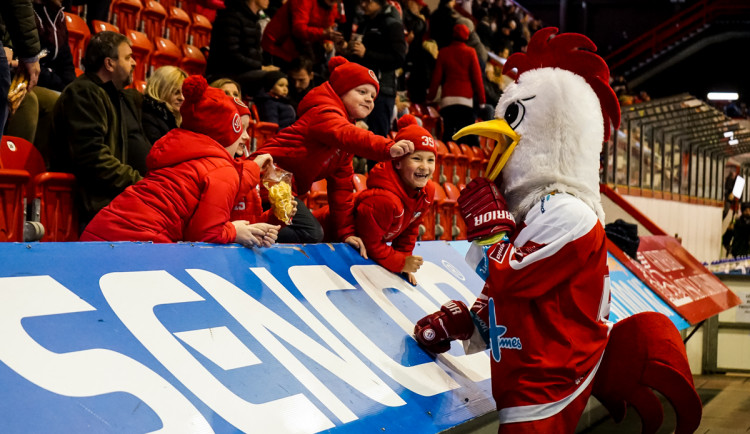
x,y
18,19
235,42
57,66
277,110
385,47
157,119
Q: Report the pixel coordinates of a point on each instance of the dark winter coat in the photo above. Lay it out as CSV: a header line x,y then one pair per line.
x,y
276,110
385,48
158,120
235,42
92,141
57,69
18,18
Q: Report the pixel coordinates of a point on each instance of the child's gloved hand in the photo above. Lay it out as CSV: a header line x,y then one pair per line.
x,y
436,331
401,148
484,210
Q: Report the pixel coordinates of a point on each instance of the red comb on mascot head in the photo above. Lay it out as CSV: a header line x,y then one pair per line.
x,y
539,242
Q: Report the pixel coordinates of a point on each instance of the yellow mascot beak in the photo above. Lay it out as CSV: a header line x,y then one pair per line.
x,y
499,131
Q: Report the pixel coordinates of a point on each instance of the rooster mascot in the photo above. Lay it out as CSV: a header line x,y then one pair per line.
x,y
535,220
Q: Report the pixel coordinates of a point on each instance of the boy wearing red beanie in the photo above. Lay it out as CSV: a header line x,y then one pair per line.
x,y
191,183
321,144
397,196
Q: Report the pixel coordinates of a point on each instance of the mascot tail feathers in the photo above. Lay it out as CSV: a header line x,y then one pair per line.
x,y
645,352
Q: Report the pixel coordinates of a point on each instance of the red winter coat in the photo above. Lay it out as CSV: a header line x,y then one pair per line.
x,y
458,71
307,23
386,212
320,145
187,195
247,205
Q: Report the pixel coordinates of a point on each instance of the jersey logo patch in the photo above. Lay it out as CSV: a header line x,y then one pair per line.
x,y
525,250
498,251
498,340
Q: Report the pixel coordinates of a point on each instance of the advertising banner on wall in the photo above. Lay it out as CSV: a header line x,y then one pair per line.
x,y
678,278
195,338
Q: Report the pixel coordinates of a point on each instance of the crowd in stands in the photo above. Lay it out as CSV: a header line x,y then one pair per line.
x,y
172,160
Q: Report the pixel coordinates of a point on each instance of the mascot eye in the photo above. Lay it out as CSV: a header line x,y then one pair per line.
x,y
514,114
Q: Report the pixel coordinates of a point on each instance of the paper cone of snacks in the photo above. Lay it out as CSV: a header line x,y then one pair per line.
x,y
278,182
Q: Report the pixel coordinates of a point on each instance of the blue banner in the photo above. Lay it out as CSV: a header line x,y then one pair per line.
x,y
127,337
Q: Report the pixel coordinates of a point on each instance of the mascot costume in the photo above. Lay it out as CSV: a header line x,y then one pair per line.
x,y
535,220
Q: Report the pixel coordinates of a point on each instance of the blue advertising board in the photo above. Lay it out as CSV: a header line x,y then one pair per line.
x,y
130,337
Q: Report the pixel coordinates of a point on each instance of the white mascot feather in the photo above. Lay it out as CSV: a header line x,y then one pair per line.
x,y
536,222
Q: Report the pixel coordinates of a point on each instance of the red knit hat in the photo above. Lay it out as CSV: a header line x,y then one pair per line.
x,y
209,111
461,32
409,129
346,75
242,108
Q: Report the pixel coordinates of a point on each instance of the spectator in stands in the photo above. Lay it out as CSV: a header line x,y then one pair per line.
x,y
389,212
96,10
235,45
729,199
302,79
33,118
381,47
162,101
741,233
192,182
97,125
18,21
299,28
320,145
474,42
418,64
458,75
442,19
273,104
228,86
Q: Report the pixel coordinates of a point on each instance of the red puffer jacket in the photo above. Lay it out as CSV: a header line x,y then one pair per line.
x,y
320,145
387,212
187,195
248,205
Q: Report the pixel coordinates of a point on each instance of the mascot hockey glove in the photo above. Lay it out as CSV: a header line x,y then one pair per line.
x,y
436,331
483,208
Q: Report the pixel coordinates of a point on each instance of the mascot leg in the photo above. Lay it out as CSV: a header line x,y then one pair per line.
x,y
565,421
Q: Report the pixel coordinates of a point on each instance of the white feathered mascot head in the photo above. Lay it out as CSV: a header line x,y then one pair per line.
x,y
551,122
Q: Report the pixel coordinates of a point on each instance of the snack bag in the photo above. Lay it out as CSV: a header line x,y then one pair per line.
x,y
278,182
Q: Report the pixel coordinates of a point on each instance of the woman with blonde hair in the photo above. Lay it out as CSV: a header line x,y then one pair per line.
x,y
162,101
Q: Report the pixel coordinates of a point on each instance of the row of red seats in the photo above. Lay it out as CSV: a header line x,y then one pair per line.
x,y
29,193
442,221
162,19
149,53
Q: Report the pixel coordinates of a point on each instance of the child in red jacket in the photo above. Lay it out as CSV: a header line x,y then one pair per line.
x,y
321,144
191,183
397,196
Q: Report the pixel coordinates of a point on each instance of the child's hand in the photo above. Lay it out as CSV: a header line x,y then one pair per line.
x,y
267,234
293,212
401,148
264,161
412,264
411,278
358,244
246,234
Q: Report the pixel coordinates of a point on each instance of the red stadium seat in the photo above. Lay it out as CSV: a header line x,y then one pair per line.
x,y
461,167
178,26
445,162
50,194
193,61
318,196
153,16
165,53
260,131
78,36
200,31
476,161
100,26
142,49
12,191
125,13
446,210
457,225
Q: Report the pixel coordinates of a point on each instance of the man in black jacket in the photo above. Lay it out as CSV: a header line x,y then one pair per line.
x,y
97,125
382,48
18,16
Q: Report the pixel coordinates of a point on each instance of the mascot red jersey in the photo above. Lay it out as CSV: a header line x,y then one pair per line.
x,y
536,220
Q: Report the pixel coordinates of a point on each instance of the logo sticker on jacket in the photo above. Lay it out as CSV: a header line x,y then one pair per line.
x,y
527,249
498,340
236,123
497,251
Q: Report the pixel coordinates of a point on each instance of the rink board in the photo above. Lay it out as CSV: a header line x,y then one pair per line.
x,y
130,337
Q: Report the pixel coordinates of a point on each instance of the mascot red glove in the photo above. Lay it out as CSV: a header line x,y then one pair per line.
x,y
483,208
436,331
